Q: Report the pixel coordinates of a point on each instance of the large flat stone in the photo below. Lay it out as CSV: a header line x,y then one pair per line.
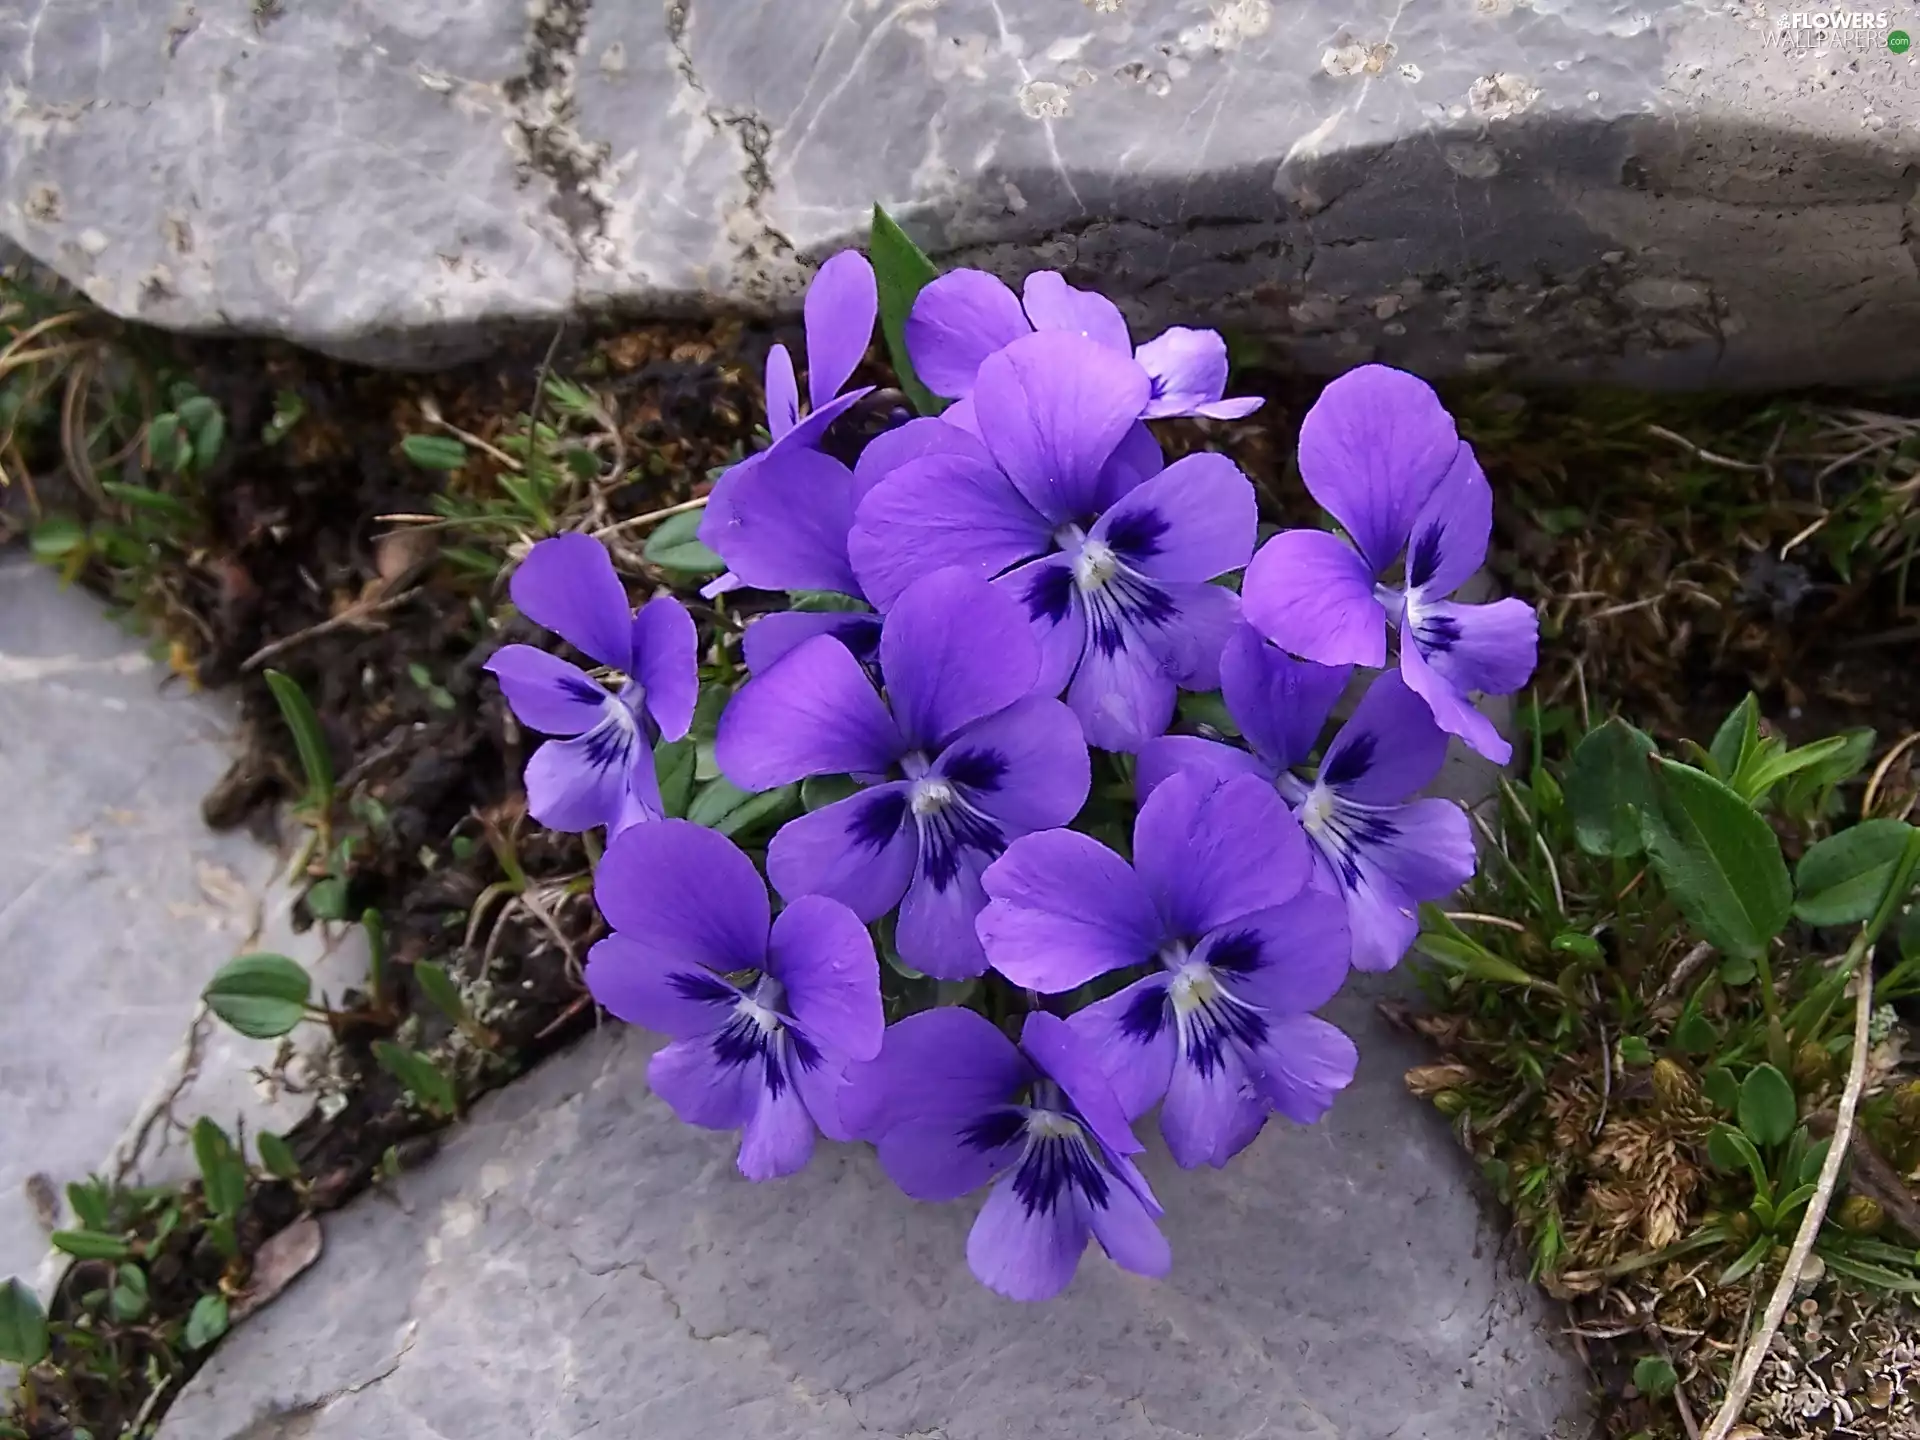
x,y
576,1262
1647,190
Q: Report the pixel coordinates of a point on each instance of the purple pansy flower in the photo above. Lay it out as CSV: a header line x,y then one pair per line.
x,y
1217,898
768,1054
840,307
1381,455
604,775
951,1104
958,759
1118,595
964,316
1381,851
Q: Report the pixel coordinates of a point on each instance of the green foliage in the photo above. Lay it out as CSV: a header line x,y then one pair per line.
x,y
1654,1376
263,996
901,270
1767,1109
721,805
23,1325
437,985
129,1293
207,1322
288,411
423,1079
434,452
674,546
1719,860
1840,880
276,1156
674,762
91,1244
316,758
223,1170
1609,788
187,439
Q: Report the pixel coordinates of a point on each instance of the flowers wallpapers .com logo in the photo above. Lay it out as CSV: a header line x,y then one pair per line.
x,y
1832,20
1899,42
1862,31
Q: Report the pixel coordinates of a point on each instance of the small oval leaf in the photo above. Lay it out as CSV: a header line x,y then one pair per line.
x,y
1840,880
262,996
23,1326
1768,1112
434,452
207,1322
91,1244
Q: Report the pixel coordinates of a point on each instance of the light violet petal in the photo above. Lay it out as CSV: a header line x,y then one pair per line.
x,y
1287,960
860,851
699,1089
1026,767
582,783
929,435
1188,369
1135,459
1134,1035
547,693
1210,855
1304,1064
1052,304
790,518
1235,409
936,1162
1388,749
954,650
771,637
685,893
1124,697
1189,642
1489,648
1025,1254
1372,449
1212,761
657,991
666,663
957,321
1452,711
1204,1117
1310,593
812,429
1426,847
813,713
783,392
1062,909
1279,703
1451,531
840,308
778,1137
1128,1233
1381,917
821,1086
939,511
1053,1045
567,585
934,932
1045,590
947,1065
1193,521
822,953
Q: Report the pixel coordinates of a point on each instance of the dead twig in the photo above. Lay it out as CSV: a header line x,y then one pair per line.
x,y
1725,462
1689,964
353,615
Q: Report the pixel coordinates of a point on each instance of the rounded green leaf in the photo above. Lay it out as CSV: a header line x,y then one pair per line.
x,y
262,996
1653,1376
1841,880
207,1322
277,1156
23,1325
57,537
1768,1112
434,452
222,1169
675,545
1608,788
1719,860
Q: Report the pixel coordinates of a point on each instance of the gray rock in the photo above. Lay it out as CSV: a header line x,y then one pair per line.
x,y
576,1262
1644,190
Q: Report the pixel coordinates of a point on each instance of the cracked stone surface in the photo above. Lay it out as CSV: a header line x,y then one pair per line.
x,y
576,1263
116,905
1655,191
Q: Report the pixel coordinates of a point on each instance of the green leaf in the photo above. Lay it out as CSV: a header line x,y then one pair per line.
x,y
91,1244
819,791
376,929
1862,1271
426,1081
130,1293
1840,880
1736,738
778,804
437,985
207,427
89,1204
1721,1088
23,1326
1739,970
675,545
826,602
716,800
276,1156
673,766
223,1171
328,899
316,759
154,502
434,452
1755,1255
262,996
167,442
57,537
288,409
1694,1033
902,270
1843,763
1654,1376
1608,789
1635,1051
207,1322
1719,860
1732,1151
1767,1109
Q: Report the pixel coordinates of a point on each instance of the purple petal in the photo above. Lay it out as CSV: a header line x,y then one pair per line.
x,y
808,434
657,991
1452,711
1065,1056
642,803
1279,703
1211,855
1052,408
1304,1064
1311,593
813,713
724,583
961,416
783,393
1123,696
938,1162
860,851
1490,648
945,1065
1287,960
934,932
1063,909
1426,848
940,511
1052,304
772,637
1388,749
840,308
1134,1035
1451,531
1026,767
821,1087
953,650
701,1090
1126,1230
1381,917
957,321
666,663
1189,641
686,894
1372,449
1193,521
789,522
567,585
822,953
929,435
1237,409
778,1138
546,693
1045,590
1136,458
583,783
1207,1116
1189,373
1209,761
1026,1254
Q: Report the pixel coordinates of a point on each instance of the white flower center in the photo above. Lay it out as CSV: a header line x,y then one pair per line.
x,y
931,796
1052,1125
1193,988
1316,809
1094,566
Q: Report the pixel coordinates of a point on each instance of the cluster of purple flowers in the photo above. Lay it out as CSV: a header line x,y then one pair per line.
x,y
1025,578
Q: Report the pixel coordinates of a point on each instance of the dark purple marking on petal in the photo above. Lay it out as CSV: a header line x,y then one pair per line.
x,y
875,823
995,1130
805,1052
699,986
1437,634
948,832
743,1041
1218,1022
1147,1016
1049,594
1236,954
578,687
1053,1165
979,770
1125,601
1423,557
1350,763
1136,535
